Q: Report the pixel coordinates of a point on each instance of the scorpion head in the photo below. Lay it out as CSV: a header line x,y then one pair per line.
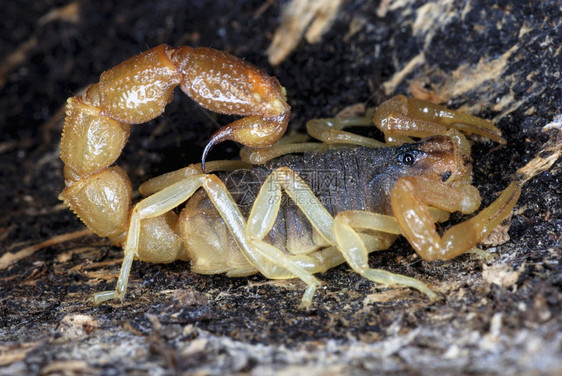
x,y
443,157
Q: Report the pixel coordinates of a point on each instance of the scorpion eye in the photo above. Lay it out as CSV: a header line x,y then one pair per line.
x,y
408,158
446,176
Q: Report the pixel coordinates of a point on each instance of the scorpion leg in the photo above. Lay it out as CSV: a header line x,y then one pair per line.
x,y
268,259
356,253
152,206
409,200
268,201
330,130
266,208
401,116
158,183
262,155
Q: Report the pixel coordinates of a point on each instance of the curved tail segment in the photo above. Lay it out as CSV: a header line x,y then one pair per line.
x,y
97,124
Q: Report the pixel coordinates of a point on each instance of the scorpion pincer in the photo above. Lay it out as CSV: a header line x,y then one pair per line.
x,y
297,214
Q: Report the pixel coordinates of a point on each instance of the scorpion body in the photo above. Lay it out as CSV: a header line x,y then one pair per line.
x,y
342,179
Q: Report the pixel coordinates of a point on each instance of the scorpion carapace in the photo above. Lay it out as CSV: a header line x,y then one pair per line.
x,y
305,213
97,124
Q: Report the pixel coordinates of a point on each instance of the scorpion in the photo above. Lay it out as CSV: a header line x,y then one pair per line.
x,y
268,213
